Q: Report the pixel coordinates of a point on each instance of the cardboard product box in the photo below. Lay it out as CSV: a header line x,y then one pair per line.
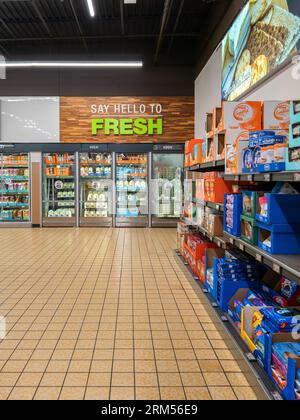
x,y
211,148
242,116
236,143
199,195
215,187
276,115
197,157
215,225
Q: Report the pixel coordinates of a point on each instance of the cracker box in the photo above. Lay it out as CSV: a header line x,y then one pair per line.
x,y
276,115
242,116
236,143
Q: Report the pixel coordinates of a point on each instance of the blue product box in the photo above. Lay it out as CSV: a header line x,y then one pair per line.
x,y
233,207
282,209
279,239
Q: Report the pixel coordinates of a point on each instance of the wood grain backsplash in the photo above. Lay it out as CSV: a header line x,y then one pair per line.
x,y
76,116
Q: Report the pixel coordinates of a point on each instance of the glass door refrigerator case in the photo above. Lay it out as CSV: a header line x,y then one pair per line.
x,y
14,189
59,190
132,190
166,194
96,189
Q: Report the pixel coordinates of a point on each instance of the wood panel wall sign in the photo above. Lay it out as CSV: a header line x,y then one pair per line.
x,y
126,119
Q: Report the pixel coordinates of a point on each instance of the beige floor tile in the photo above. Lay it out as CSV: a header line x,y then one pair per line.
x,y
111,309
147,393
99,379
53,379
22,393
222,393
4,392
122,393
197,394
97,393
141,366
28,379
172,393
245,393
192,379
101,366
215,379
47,393
170,379
146,379
72,393
76,379
122,379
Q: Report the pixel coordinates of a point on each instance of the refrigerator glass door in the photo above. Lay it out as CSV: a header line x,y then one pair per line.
x,y
14,188
132,187
59,198
96,189
167,189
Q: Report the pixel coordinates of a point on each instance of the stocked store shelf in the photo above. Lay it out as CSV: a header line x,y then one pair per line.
x,y
218,240
207,167
257,369
210,204
286,265
265,177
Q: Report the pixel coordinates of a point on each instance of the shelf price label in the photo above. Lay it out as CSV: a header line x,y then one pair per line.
x,y
242,247
297,177
258,258
276,268
267,177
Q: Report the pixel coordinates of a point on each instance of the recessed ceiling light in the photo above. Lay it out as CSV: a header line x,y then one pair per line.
x,y
129,1
91,7
71,64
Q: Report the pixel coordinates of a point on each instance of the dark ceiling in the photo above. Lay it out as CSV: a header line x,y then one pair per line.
x,y
162,32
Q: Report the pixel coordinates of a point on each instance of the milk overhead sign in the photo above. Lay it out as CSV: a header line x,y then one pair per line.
x,y
139,119
123,119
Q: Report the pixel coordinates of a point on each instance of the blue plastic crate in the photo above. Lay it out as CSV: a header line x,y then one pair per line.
x,y
235,228
283,239
283,209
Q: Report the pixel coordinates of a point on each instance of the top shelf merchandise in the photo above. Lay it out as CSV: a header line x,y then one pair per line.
x,y
14,188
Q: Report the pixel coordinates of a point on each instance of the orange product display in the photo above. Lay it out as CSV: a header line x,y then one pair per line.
x,y
58,171
276,115
56,159
242,116
193,152
194,254
215,187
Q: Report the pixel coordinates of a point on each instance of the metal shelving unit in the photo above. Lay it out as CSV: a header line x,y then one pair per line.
x,y
217,165
286,265
265,177
218,240
262,377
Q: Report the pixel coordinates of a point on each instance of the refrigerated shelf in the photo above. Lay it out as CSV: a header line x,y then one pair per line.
x,y
14,189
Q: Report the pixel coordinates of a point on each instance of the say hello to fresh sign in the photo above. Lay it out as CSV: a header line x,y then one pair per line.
x,y
127,119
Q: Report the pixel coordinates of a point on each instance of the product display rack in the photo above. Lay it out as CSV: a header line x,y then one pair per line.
x,y
96,189
59,189
217,165
253,364
132,195
14,189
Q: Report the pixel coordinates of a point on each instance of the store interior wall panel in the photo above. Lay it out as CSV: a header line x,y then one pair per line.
x,y
36,193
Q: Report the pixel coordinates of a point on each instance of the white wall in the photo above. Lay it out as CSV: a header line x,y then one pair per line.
x,y
208,90
29,119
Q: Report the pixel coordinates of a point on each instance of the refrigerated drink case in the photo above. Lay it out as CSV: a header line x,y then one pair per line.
x,y
14,189
59,190
166,193
96,189
132,190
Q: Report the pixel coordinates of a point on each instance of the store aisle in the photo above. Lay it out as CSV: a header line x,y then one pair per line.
x,y
110,313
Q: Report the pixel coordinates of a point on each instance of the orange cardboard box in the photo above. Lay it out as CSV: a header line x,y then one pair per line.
x,y
236,142
242,116
276,115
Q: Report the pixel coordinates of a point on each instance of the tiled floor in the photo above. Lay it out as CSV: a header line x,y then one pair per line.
x,y
110,314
